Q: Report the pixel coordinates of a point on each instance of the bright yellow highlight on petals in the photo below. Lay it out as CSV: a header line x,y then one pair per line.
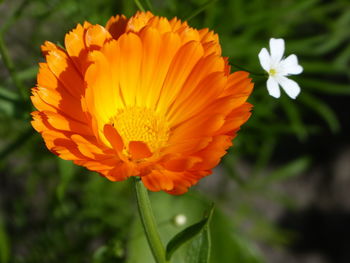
x,y
144,96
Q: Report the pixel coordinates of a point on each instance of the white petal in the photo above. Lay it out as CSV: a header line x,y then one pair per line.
x,y
265,60
290,65
276,49
290,86
273,88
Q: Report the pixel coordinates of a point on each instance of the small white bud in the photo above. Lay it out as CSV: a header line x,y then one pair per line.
x,y
180,220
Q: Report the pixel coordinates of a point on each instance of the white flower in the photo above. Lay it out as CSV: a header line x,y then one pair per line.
x,y
279,68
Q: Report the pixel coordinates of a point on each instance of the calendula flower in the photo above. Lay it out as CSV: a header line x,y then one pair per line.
x,y
143,97
279,69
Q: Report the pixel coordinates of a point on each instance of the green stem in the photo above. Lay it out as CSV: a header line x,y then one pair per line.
x,y
11,68
148,222
200,9
251,72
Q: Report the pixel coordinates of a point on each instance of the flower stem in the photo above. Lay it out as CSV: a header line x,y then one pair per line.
x,y
148,222
251,72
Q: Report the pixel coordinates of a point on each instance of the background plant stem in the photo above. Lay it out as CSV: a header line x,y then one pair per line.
x,y
11,68
7,60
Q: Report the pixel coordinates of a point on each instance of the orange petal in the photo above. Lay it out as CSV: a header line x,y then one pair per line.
x,y
74,41
210,42
202,69
239,83
197,127
176,24
52,120
188,34
96,36
151,40
212,154
88,147
62,146
160,23
183,180
45,77
116,25
130,64
39,104
187,146
236,118
111,51
64,70
157,181
170,44
139,150
138,21
182,65
101,95
49,46
75,45
121,172
205,93
113,137
60,102
181,164
101,166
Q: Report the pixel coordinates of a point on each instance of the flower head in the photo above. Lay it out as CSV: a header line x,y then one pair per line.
x,y
279,68
143,97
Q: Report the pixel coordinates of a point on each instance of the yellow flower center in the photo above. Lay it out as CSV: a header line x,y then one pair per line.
x,y
141,124
272,72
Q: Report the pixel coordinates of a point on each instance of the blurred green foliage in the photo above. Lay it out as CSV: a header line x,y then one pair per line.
x,y
53,211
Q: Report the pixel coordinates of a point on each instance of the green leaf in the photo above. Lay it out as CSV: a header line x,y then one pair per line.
x,y
199,250
187,234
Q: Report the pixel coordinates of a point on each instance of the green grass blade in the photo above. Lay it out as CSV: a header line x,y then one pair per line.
x,y
323,110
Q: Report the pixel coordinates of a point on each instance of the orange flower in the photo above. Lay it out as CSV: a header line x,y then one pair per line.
x,y
144,97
